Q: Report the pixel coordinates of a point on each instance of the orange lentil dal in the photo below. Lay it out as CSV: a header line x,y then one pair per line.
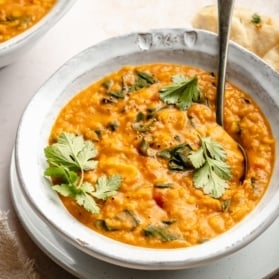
x,y
189,214
16,16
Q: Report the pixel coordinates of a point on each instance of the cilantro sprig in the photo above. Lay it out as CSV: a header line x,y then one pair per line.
x,y
208,163
68,159
181,92
211,171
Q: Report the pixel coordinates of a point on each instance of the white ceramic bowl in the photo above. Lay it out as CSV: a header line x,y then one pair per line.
x,y
193,47
12,49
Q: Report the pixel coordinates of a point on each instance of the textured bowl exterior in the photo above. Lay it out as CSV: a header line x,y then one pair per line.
x,y
12,49
191,47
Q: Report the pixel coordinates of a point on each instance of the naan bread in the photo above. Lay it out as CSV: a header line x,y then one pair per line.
x,y
272,57
261,38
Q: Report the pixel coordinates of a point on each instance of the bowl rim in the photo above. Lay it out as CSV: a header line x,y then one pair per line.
x,y
105,248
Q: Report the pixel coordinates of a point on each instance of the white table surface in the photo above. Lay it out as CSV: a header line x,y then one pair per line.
x,y
89,22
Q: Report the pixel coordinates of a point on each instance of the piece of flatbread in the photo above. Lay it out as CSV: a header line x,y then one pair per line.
x,y
272,57
261,38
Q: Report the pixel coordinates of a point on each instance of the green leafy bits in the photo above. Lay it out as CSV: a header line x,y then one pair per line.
x,y
208,162
256,19
182,92
177,156
211,171
159,231
112,126
144,121
225,205
124,220
143,80
68,159
163,185
72,152
130,83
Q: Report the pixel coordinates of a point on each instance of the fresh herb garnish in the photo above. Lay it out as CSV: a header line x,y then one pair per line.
x,y
169,221
116,95
225,205
103,225
142,126
109,100
149,114
191,120
72,152
162,185
124,220
144,121
162,232
68,159
147,78
130,82
177,138
182,92
211,171
142,80
135,81
107,83
140,117
21,19
144,147
256,19
130,215
177,156
112,126
98,133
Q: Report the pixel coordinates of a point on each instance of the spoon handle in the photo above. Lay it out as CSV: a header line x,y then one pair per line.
x,y
225,8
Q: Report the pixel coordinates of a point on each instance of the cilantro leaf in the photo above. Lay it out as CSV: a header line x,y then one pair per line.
x,y
107,187
68,159
182,92
62,173
72,152
66,190
215,149
211,171
145,78
85,199
209,181
197,158
220,168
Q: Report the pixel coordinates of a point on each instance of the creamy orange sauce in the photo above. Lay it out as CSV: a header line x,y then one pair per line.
x,y
185,211
17,16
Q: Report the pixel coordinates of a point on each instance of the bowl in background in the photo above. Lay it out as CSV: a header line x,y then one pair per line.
x,y
13,48
191,47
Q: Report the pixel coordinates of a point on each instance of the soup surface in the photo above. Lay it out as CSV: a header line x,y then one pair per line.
x,y
175,176
18,15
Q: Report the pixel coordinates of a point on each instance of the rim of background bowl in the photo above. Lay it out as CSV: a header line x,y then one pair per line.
x,y
30,162
21,40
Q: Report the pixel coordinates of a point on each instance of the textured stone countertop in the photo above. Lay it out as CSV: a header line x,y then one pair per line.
x,y
89,22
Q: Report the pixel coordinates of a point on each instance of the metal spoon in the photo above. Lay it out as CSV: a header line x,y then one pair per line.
x,y
225,8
